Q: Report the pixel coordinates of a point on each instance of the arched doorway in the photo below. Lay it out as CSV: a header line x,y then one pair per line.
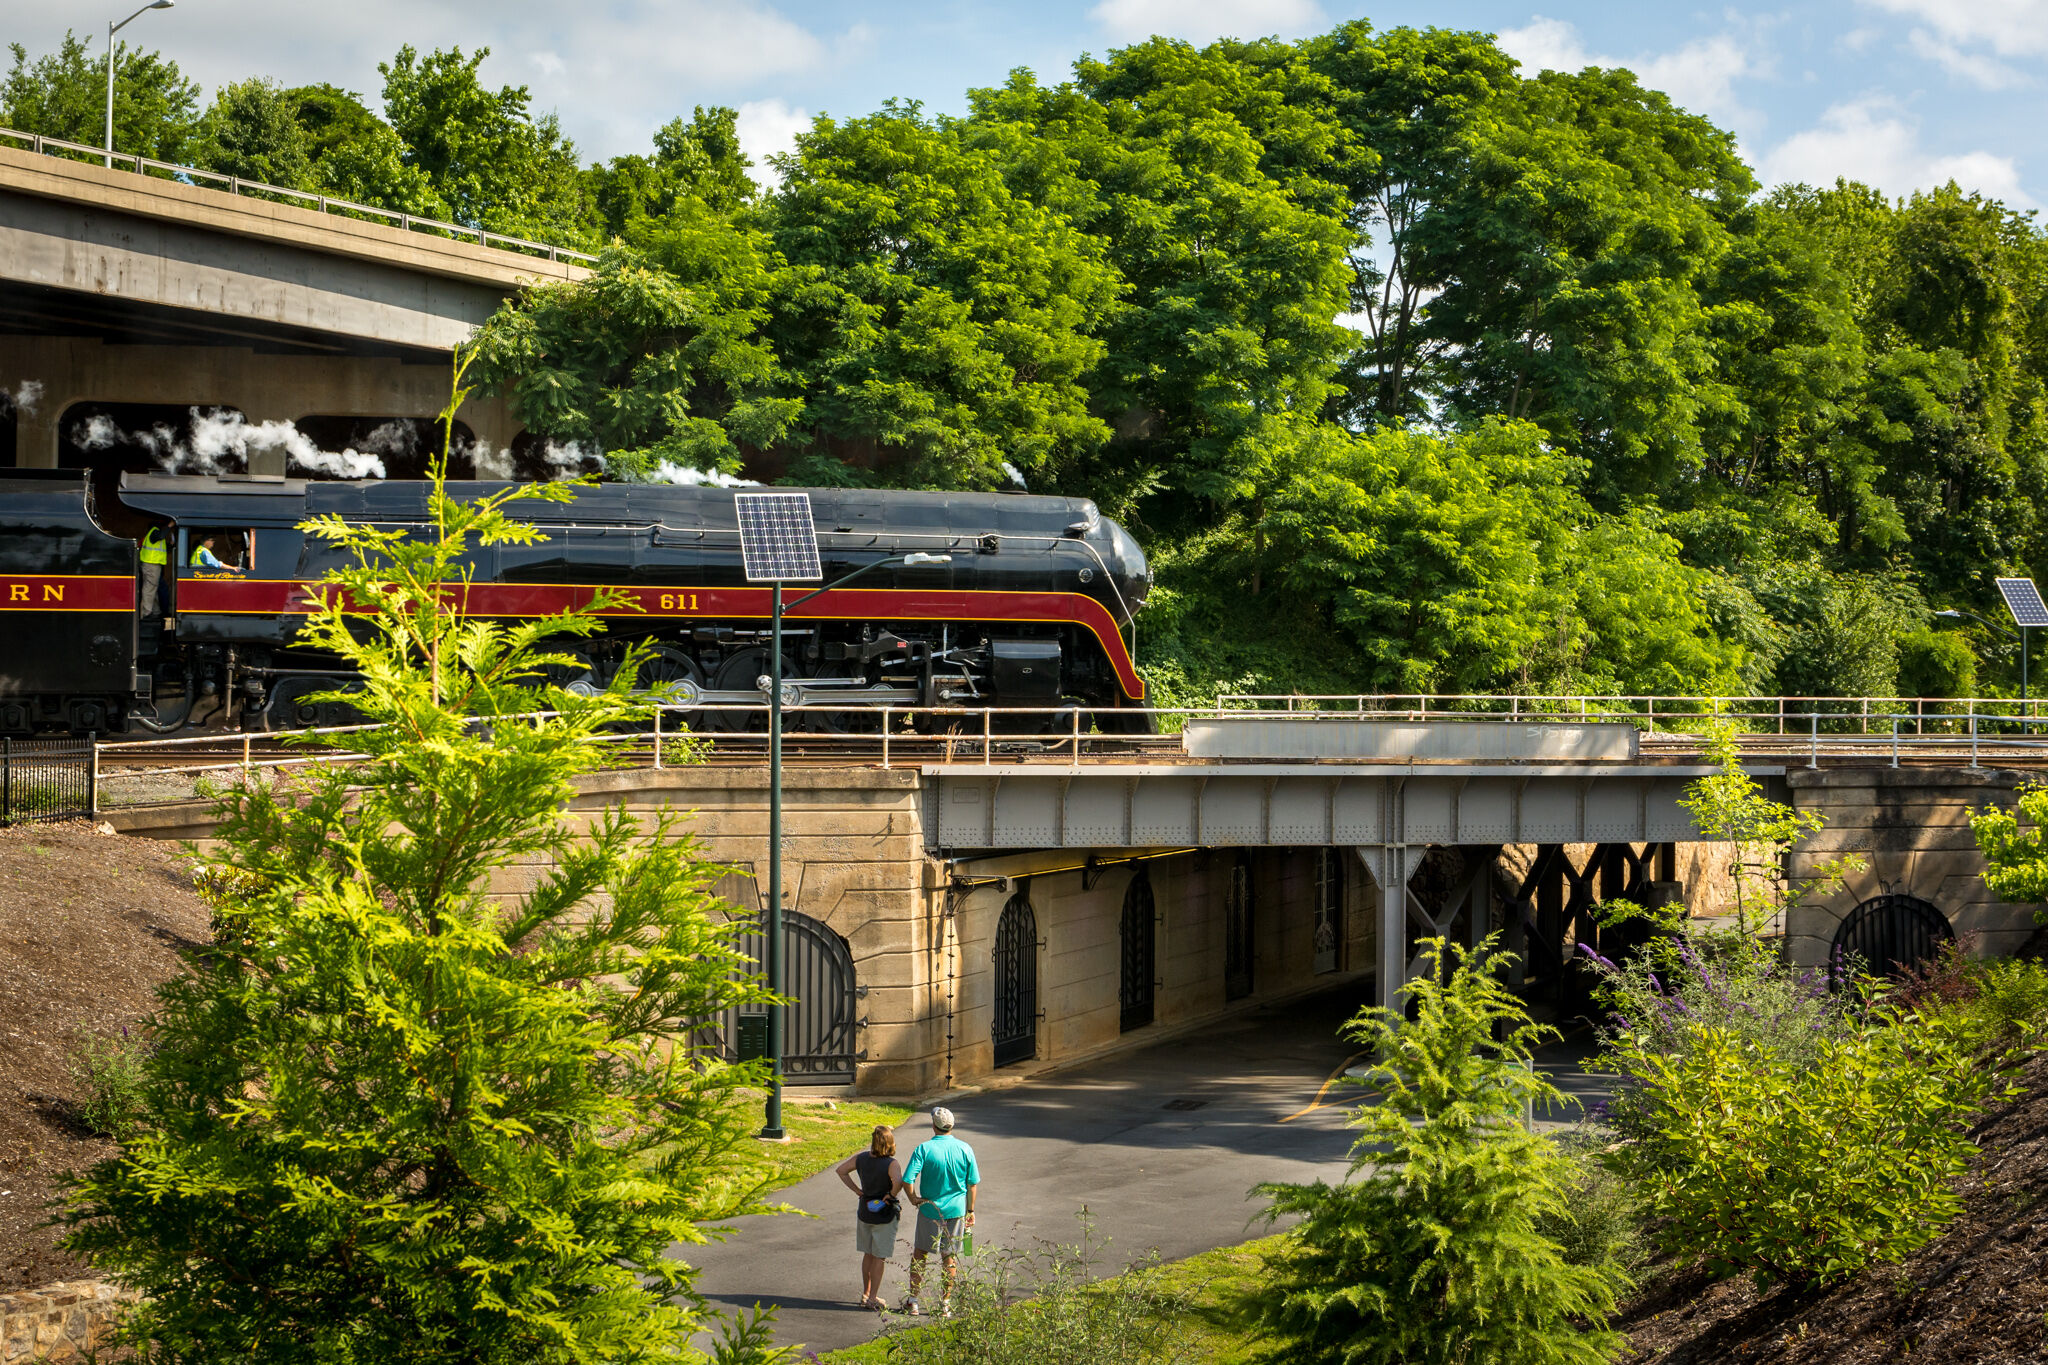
x,y
1238,944
1014,1026
1885,934
1136,933
1329,911
820,1022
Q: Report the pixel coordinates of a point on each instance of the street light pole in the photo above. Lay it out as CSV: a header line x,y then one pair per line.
x,y
112,29
772,1130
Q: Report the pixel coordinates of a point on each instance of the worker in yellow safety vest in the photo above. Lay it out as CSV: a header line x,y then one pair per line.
x,y
156,557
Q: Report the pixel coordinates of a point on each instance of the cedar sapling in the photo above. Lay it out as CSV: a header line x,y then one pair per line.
x,y
1430,1252
434,1094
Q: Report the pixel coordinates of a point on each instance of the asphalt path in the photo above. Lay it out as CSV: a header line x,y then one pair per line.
x,y
1160,1145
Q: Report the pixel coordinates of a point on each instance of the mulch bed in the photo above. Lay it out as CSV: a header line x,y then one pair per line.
x,y
89,924
1976,1295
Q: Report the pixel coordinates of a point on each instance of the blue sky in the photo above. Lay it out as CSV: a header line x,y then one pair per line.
x,y
1901,93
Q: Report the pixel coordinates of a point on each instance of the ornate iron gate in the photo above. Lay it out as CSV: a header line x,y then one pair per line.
x,y
45,779
1015,1026
1329,910
1237,930
1134,987
820,1023
1886,933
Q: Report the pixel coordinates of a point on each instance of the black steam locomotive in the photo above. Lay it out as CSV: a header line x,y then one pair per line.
x,y
1028,609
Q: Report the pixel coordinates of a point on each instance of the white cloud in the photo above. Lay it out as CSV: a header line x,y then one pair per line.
x,y
768,128
1871,140
1201,21
1974,67
2010,29
1699,77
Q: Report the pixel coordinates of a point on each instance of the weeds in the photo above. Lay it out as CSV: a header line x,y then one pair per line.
x,y
110,1073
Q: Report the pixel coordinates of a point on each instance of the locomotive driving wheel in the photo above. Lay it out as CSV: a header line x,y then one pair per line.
x,y
742,671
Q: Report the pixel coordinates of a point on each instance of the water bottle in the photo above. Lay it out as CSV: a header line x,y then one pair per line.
x,y
967,1243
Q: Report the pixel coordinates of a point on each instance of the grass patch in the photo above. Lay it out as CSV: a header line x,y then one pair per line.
x,y
1218,1290
826,1132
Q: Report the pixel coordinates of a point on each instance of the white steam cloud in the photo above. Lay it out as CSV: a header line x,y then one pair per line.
x,y
226,439
697,478
99,433
25,396
1016,475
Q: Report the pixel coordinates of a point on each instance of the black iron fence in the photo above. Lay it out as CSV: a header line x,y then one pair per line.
x,y
46,779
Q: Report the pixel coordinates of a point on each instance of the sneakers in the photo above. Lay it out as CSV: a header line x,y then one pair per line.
x,y
910,1309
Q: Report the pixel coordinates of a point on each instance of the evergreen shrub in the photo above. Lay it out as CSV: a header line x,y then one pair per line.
x,y
434,1093
1803,1167
1432,1252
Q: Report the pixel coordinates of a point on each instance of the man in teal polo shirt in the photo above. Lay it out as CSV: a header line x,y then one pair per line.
x,y
941,1181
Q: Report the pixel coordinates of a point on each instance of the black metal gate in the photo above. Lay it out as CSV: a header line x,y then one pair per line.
x,y
820,1023
1134,988
45,779
1237,931
1015,1026
1328,943
1885,934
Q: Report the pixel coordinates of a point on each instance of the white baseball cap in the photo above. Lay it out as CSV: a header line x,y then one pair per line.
x,y
942,1118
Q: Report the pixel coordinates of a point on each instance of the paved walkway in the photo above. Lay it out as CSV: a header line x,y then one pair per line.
x,y
1160,1145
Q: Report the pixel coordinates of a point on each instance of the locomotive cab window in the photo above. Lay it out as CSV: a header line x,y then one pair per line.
x,y
212,549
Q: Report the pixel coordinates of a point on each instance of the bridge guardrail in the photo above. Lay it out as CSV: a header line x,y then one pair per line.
x,y
319,203
966,737
1778,714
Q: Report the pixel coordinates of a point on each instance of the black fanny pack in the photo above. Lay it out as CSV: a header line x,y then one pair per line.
x,y
891,1209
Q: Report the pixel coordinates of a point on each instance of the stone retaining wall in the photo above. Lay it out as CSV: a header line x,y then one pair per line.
x,y
61,1322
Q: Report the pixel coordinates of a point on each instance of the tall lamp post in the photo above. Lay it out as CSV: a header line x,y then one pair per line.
x,y
112,29
772,1129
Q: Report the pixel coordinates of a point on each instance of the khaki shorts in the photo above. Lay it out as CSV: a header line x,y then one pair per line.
x,y
939,1234
875,1239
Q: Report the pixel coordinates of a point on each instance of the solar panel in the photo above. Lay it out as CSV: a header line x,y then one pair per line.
x,y
2023,600
778,539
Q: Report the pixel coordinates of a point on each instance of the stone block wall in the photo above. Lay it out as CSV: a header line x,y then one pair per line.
x,y
1911,828
67,1321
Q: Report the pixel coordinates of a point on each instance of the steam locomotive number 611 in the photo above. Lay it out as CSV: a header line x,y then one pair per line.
x,y
1030,608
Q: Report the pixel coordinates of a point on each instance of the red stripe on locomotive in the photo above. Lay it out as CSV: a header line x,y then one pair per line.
x,y
280,597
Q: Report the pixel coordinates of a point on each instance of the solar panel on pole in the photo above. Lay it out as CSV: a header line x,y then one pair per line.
x,y
2023,600
778,538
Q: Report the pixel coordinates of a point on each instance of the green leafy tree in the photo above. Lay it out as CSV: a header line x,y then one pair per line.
x,y
1572,255
658,359
1429,1254
2015,847
358,156
63,94
699,160
252,130
395,1113
485,153
929,316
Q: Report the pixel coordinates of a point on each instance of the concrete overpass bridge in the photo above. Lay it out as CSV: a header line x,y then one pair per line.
x,y
139,291
967,901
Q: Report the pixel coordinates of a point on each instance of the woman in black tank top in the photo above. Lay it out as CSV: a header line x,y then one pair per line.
x,y
878,1189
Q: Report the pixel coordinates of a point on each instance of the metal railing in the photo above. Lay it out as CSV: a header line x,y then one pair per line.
x,y
960,736
1784,715
319,203
47,779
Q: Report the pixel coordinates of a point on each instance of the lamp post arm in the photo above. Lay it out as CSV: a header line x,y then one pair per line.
x,y
841,582
2007,631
